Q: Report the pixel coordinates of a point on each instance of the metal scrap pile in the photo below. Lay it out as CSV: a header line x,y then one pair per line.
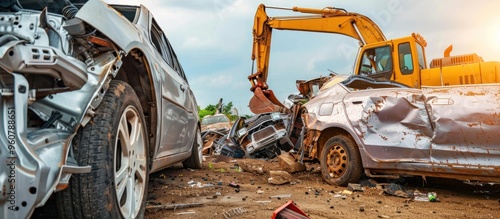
x,y
261,136
212,129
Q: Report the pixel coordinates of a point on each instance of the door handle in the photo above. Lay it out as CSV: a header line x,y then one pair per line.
x,y
183,88
357,102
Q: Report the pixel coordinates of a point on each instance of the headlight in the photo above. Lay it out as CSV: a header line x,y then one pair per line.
x,y
241,132
275,116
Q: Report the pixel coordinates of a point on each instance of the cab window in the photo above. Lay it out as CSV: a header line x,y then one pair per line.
x,y
421,60
375,61
405,59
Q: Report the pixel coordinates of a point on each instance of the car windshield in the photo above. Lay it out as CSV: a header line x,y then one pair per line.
x,y
214,119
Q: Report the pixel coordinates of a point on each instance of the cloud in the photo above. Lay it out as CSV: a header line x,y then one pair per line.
x,y
213,39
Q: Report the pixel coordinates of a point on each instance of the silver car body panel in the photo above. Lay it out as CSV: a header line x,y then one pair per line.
x,y
37,161
177,111
127,37
435,131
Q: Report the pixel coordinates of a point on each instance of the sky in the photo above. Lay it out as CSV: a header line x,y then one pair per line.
x,y
213,39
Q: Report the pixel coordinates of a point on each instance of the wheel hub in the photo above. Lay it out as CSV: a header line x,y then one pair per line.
x,y
130,163
337,161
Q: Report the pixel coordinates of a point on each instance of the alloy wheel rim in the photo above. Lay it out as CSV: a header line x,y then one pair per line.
x,y
130,163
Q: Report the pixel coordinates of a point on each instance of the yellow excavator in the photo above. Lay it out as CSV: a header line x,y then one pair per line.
x,y
402,60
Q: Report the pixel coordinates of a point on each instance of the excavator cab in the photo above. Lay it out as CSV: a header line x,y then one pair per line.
x,y
399,59
402,60
376,62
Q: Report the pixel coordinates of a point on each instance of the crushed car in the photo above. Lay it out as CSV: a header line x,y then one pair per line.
x,y
261,136
213,127
90,105
266,135
360,125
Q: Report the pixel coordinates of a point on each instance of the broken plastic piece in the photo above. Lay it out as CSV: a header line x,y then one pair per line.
x,y
289,210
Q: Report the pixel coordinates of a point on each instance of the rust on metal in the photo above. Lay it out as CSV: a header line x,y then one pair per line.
x,y
470,93
264,101
208,142
450,132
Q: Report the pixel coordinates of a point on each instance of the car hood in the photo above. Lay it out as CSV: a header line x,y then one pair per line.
x,y
94,12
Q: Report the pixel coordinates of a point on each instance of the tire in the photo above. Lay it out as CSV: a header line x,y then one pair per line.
x,y
115,144
196,158
340,161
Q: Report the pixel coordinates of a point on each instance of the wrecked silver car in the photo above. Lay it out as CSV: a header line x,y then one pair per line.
x,y
90,106
261,136
213,128
384,129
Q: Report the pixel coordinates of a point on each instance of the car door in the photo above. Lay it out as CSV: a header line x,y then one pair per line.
x,y
467,124
392,124
174,118
189,105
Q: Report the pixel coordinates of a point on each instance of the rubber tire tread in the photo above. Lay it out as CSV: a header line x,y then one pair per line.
x,y
92,195
354,167
193,161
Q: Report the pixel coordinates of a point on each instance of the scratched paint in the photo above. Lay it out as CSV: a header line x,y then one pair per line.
x,y
448,132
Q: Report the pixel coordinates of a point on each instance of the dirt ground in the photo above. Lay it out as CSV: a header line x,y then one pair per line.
x,y
176,186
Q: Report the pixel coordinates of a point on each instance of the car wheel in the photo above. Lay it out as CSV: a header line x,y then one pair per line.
x,y
196,158
115,144
340,161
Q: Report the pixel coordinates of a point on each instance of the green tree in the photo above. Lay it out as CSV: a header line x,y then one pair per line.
x,y
227,109
209,110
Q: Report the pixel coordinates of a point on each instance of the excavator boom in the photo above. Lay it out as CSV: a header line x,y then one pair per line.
x,y
326,20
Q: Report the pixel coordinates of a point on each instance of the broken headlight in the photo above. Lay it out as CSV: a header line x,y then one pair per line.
x,y
275,116
241,132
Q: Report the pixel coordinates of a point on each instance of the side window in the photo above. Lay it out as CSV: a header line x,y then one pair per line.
x,y
421,60
159,42
181,72
405,59
168,54
156,39
375,61
176,64
128,12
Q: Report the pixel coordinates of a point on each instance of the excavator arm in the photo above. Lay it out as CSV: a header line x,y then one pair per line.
x,y
326,20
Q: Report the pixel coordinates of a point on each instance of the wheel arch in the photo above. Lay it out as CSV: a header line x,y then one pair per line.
x,y
340,156
136,71
329,132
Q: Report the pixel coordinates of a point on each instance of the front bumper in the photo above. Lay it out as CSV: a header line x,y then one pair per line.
x,y
265,138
